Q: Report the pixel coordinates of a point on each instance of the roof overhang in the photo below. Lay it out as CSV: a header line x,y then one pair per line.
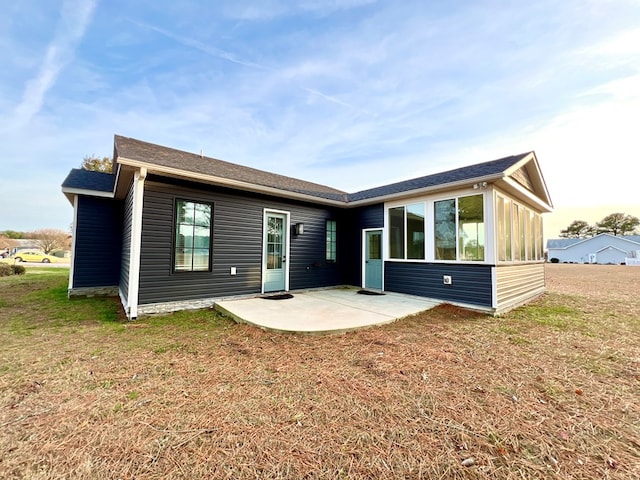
x,y
126,168
72,192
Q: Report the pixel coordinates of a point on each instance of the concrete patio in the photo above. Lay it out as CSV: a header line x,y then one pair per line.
x,y
324,311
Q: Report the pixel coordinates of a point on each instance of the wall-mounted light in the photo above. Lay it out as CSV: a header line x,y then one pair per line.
x,y
481,185
298,228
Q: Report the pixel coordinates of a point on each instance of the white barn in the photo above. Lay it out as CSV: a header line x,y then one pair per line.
x,y
603,248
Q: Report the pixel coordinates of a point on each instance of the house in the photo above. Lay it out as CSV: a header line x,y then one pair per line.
x,y
603,248
170,230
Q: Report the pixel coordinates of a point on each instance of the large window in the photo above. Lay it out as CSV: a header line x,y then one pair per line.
x,y
193,236
459,228
406,232
331,241
519,232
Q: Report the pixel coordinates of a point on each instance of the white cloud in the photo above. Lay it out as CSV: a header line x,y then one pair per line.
x,y
75,18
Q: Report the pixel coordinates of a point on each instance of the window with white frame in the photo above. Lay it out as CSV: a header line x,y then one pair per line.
x,y
459,228
406,231
519,230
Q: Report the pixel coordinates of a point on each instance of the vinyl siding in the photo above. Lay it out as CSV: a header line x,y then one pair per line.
x,y
358,219
515,284
236,242
97,243
125,261
471,283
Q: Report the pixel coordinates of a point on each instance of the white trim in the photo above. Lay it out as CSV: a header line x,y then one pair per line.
x,y
74,227
429,225
363,257
490,229
136,242
287,260
494,288
531,197
89,193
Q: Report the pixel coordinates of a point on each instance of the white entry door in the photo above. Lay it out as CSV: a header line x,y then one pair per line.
x,y
275,268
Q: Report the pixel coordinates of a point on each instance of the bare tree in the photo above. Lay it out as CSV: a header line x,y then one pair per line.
x,y
49,239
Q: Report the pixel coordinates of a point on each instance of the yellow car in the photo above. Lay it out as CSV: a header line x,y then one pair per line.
x,y
33,256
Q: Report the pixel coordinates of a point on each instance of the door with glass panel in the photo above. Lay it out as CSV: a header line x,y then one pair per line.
x,y
275,252
373,259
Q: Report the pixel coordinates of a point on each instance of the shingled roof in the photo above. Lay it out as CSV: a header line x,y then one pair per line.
x,y
80,179
161,160
139,151
477,171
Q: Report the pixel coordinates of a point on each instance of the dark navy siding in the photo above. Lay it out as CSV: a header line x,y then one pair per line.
x,y
355,221
471,283
97,243
237,242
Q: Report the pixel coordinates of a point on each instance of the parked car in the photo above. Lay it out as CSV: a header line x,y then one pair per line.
x,y
33,256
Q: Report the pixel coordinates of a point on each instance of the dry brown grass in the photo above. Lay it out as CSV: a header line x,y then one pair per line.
x,y
547,391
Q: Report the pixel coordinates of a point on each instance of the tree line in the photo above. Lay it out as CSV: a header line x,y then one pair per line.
x,y
49,239
614,223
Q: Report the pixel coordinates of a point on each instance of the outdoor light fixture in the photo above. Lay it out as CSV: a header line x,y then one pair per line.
x,y
298,228
482,185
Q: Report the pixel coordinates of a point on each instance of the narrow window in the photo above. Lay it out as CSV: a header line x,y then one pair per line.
x,y
331,241
508,225
445,229
539,238
415,231
193,236
523,232
501,247
531,237
516,232
396,232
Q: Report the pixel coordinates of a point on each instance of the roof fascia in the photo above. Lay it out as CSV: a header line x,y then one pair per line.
x,y
534,199
425,190
226,182
539,181
69,192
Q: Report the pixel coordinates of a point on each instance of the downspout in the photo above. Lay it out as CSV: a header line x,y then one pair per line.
x,y
136,242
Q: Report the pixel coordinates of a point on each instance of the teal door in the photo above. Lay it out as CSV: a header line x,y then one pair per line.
x,y
373,259
275,251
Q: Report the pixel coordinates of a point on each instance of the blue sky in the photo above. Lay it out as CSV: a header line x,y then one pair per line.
x,y
351,93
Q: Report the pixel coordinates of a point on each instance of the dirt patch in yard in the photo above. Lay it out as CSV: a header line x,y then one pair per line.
x,y
547,391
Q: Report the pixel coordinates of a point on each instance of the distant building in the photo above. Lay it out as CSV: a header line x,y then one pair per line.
x,y
603,249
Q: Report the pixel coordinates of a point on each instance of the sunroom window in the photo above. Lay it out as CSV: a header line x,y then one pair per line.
x,y
519,232
406,232
459,228
192,250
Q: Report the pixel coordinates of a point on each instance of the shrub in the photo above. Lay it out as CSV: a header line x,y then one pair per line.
x,y
18,269
555,260
5,270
